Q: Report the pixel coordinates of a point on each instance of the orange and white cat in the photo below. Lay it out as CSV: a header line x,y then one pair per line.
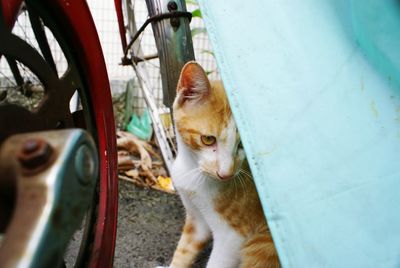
x,y
214,182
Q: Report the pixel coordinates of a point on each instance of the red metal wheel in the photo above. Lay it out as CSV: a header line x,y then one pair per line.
x,y
72,26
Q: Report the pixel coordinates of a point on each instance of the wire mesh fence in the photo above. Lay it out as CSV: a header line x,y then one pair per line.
x,y
106,22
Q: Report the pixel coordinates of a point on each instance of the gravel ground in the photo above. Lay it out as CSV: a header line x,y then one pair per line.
x,y
149,226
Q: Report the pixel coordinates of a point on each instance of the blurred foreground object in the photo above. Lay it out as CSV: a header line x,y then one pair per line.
x,y
315,89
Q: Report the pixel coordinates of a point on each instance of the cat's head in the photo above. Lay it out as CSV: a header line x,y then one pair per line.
x,y
205,123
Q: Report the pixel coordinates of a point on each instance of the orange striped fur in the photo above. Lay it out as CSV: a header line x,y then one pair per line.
x,y
207,117
214,181
188,246
239,205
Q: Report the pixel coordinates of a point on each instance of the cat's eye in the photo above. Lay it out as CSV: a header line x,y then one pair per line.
x,y
208,140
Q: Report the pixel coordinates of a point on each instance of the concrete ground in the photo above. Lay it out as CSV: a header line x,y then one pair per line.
x,y
149,227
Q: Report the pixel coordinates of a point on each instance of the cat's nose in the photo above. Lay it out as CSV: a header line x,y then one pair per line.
x,y
224,176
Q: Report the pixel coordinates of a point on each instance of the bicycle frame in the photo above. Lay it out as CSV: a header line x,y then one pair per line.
x,y
179,49
171,30
121,26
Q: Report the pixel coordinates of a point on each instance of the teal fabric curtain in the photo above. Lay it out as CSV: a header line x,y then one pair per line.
x,y
315,89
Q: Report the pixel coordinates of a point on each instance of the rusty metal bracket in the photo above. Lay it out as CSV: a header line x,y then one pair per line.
x,y
47,180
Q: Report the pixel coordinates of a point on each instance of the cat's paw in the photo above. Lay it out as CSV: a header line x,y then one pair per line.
x,y
162,267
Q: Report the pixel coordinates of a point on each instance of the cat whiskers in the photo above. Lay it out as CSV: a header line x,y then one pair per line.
x,y
241,179
246,174
234,181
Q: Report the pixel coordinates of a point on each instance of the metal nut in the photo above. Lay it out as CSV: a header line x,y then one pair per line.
x,y
175,22
172,6
34,153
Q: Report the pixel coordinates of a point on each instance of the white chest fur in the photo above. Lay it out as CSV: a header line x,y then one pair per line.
x,y
198,192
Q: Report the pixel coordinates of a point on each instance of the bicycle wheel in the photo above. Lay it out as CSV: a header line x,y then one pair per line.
x,y
157,56
57,54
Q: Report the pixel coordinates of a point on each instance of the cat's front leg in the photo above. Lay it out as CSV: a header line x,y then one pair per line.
x,y
226,250
194,238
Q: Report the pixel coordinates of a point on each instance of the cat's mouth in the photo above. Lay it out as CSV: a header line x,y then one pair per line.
x,y
225,177
217,176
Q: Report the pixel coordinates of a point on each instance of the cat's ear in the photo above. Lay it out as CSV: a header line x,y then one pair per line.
x,y
193,84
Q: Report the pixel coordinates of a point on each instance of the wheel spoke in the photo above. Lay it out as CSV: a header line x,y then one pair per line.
x,y
69,85
79,119
40,34
15,71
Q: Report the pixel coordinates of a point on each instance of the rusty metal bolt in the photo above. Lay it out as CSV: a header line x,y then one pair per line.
x,y
172,6
34,154
175,22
